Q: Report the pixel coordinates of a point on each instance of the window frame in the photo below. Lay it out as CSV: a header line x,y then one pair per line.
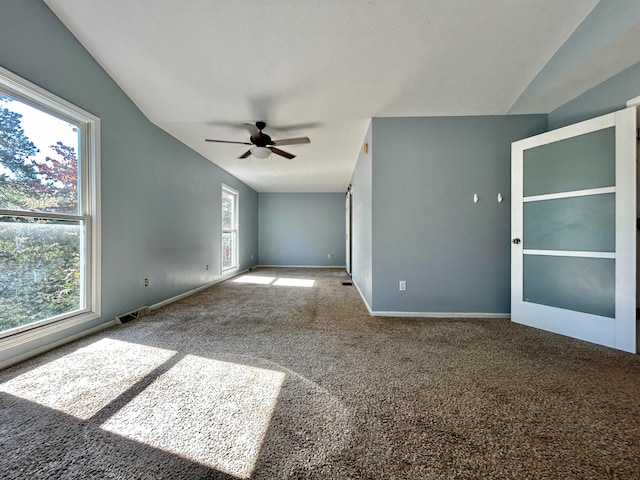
x,y
235,230
88,202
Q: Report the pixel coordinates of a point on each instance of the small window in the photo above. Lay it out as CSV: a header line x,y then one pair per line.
x,y
48,209
229,229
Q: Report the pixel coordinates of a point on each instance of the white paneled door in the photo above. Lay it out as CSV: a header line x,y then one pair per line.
x,y
573,224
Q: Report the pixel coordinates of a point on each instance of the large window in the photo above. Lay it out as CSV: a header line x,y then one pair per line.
x,y
48,209
229,229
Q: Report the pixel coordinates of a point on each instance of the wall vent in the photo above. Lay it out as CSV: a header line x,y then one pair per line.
x,y
133,314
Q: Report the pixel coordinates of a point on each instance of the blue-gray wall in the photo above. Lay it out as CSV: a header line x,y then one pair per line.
x,y
160,199
605,98
610,23
453,254
301,229
362,231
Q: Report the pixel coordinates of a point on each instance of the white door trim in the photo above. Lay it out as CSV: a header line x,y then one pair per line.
x,y
626,234
574,193
567,253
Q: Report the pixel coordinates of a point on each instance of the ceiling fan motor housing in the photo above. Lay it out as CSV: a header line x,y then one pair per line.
x,y
261,139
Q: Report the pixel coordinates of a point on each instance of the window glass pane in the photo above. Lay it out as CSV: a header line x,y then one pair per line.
x,y
40,269
228,250
228,205
38,159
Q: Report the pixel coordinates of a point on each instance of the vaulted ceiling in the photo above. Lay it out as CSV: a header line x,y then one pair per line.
x,y
200,68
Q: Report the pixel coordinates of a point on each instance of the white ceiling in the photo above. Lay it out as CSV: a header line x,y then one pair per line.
x,y
323,68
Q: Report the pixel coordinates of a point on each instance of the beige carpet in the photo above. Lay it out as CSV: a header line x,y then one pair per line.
x,y
284,375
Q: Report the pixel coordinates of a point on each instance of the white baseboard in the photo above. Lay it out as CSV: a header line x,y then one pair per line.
x,y
378,313
362,296
440,314
407,314
196,290
300,266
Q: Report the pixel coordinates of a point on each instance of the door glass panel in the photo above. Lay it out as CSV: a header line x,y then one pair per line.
x,y
577,163
573,283
576,224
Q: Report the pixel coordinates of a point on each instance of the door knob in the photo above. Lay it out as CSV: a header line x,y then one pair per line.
x,y
516,241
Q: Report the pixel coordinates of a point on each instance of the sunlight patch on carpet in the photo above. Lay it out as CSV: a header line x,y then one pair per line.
x,y
280,282
86,380
257,279
220,420
294,282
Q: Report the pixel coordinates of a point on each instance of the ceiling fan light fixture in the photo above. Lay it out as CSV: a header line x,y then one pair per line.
x,y
260,152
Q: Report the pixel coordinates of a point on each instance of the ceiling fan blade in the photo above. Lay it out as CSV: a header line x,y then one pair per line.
x,y
226,141
294,127
282,153
253,130
291,141
245,154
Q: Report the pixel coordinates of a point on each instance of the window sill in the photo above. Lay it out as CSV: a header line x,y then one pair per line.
x,y
40,332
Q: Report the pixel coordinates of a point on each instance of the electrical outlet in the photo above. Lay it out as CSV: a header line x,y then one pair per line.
x,y
402,285
206,267
252,256
146,281
329,255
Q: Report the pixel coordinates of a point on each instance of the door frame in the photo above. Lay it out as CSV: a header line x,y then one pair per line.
x,y
349,229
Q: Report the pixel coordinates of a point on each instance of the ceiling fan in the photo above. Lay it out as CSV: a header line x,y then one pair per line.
x,y
262,143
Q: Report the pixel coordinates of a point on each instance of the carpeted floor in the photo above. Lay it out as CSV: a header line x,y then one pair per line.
x,y
275,378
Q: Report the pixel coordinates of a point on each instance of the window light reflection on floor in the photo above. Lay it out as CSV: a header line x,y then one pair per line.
x,y
294,282
86,380
212,412
257,279
220,423
280,282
